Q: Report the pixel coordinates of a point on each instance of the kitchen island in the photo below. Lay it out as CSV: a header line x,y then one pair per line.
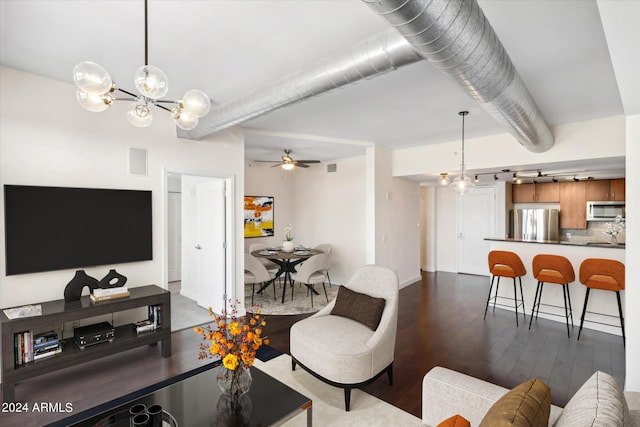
x,y
575,252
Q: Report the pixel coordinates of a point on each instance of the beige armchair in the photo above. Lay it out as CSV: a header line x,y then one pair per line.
x,y
344,352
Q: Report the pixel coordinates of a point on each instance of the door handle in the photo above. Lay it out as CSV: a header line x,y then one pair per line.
x,y
198,247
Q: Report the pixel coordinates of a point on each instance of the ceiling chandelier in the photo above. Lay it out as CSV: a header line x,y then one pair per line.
x,y
96,92
462,184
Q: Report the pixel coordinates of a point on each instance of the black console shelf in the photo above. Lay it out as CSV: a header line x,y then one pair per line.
x,y
59,312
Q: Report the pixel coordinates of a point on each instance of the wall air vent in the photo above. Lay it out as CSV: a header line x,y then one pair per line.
x,y
332,168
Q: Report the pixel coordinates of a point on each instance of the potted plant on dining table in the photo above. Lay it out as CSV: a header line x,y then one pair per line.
x,y
288,245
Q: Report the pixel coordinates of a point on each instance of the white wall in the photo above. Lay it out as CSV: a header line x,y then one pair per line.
x,y
263,180
47,138
330,208
632,320
446,230
594,139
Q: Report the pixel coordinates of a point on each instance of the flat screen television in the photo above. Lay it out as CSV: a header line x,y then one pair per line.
x,y
56,228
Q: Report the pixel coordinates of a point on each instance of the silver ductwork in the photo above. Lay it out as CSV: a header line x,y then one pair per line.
x,y
385,51
455,37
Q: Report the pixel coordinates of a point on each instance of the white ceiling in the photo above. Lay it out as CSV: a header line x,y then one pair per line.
x,y
231,48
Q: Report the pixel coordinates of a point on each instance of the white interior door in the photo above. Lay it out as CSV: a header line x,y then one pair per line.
x,y
476,221
210,244
174,239
203,240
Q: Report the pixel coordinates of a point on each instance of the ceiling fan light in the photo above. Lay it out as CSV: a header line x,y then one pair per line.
x,y
139,115
196,102
92,78
184,119
151,82
94,102
288,166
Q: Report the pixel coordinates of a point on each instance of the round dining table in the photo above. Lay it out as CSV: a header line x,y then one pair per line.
x,y
287,262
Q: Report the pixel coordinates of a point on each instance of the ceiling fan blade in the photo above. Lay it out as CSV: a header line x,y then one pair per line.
x,y
308,161
301,165
267,161
278,165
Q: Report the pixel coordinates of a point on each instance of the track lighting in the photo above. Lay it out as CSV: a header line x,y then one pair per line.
x,y
495,176
444,179
539,174
515,177
475,179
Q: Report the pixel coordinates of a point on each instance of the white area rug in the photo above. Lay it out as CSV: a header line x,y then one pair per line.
x,y
328,401
300,304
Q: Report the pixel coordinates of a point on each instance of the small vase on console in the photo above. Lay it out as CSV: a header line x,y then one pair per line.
x,y
288,246
73,290
113,279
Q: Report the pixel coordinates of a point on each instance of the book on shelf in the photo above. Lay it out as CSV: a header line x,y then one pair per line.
x,y
48,353
108,296
155,315
144,326
103,292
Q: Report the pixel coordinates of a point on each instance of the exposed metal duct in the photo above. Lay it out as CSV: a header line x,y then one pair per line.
x,y
455,37
385,51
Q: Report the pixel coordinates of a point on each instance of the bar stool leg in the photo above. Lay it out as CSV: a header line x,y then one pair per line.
x,y
535,301
539,299
486,307
624,341
584,310
524,313
515,299
570,306
496,294
566,311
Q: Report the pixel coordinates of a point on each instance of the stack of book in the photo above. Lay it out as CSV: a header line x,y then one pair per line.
x,y
152,323
23,347
106,294
29,347
46,344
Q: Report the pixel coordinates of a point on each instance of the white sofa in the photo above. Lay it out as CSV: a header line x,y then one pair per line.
x,y
600,402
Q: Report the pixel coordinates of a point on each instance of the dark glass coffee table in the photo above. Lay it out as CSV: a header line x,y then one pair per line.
x,y
196,400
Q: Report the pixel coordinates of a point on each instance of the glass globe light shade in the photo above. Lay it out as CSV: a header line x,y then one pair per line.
x,y
184,119
196,102
444,179
151,82
462,185
92,78
288,166
139,115
94,102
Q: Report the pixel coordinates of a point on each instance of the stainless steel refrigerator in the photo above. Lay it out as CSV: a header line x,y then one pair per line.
x,y
535,224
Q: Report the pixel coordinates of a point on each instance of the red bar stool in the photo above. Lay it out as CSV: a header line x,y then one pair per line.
x,y
553,269
506,264
606,275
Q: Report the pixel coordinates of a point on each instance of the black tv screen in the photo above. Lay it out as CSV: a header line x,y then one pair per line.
x,y
56,228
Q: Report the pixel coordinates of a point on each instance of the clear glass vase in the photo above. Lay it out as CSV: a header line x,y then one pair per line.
x,y
614,239
236,382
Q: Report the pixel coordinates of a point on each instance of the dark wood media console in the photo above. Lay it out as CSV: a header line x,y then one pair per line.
x,y
59,312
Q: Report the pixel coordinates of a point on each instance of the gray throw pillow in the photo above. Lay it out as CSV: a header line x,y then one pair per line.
x,y
359,307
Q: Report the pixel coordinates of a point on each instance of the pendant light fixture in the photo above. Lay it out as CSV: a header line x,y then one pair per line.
x,y
462,184
96,92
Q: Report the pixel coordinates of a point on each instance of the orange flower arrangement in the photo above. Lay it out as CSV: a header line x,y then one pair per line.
x,y
235,339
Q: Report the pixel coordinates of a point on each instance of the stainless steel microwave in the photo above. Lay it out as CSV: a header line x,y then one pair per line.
x,y
605,210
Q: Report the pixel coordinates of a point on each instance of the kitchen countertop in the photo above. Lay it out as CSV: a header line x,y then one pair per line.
x,y
594,244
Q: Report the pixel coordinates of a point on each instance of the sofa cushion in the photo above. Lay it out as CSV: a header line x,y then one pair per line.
x,y
455,421
599,402
527,405
359,307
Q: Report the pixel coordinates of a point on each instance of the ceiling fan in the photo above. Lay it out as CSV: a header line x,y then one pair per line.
x,y
288,163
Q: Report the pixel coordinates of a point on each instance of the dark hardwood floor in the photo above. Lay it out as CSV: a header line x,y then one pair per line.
x,y
440,323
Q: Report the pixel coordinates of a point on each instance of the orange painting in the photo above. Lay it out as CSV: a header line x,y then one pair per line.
x,y
258,216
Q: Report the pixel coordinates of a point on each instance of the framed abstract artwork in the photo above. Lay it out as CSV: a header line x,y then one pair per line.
x,y
258,216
